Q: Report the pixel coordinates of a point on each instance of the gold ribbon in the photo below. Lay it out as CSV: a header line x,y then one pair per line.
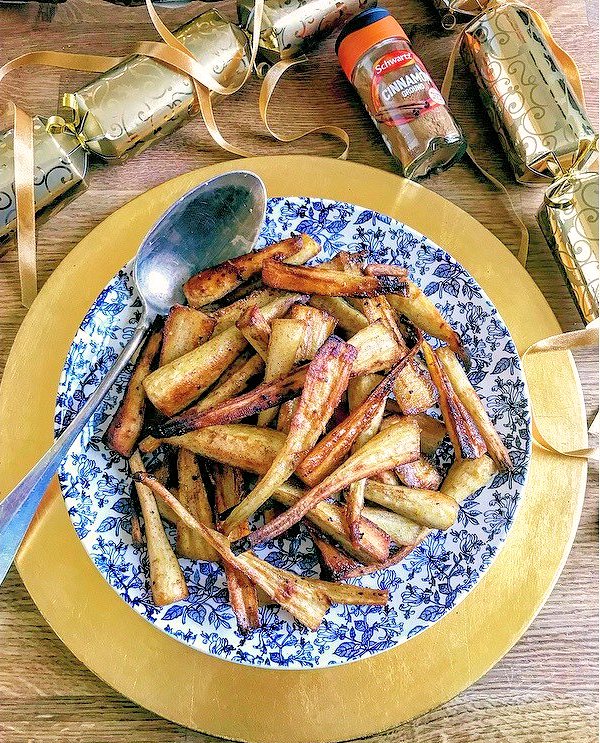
x,y
586,338
267,89
572,74
170,52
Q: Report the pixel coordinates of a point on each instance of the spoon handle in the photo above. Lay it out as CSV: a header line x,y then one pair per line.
x,y
19,506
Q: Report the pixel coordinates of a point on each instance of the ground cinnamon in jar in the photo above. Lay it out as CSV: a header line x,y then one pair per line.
x,y
399,94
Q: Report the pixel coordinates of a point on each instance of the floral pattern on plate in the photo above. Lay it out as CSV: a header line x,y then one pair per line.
x,y
426,586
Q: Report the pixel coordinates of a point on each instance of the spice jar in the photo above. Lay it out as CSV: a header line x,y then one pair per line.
x,y
399,94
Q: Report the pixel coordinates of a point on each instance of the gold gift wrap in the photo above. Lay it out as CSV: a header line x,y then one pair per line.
x,y
59,175
569,220
457,11
529,99
140,101
290,27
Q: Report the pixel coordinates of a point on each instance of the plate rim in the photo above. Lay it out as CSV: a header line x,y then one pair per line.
x,y
371,188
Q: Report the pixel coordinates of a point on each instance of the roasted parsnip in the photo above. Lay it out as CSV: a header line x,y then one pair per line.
x,y
126,426
330,451
185,329
326,380
327,281
166,579
425,507
305,602
470,399
463,433
345,593
255,329
192,495
284,342
234,384
420,473
396,445
421,311
466,476
318,326
334,563
243,598
228,315
216,282
250,448
403,531
348,318
377,348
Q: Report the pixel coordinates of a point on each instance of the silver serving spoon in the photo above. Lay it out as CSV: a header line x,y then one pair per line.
x,y
214,222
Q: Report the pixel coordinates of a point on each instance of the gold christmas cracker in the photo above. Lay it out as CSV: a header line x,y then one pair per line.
x,y
290,27
530,88
141,100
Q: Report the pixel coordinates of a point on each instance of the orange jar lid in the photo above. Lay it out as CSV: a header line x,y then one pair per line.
x,y
362,32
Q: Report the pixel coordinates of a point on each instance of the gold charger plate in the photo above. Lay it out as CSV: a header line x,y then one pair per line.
x,y
330,704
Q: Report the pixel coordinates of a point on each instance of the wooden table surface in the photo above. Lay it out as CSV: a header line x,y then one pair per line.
x,y
545,689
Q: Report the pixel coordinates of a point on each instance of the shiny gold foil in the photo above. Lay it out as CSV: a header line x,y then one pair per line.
x,y
569,220
60,168
528,97
290,27
458,11
140,101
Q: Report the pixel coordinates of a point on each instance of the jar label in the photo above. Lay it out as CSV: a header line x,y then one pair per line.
x,y
401,89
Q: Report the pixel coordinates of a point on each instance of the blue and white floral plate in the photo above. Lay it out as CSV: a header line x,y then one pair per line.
x,y
425,587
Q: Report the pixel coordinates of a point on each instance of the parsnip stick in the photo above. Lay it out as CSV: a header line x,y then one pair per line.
x,y
174,386
403,531
216,282
242,592
396,445
235,384
285,340
326,380
348,318
329,518
420,473
126,426
345,593
304,601
192,495
255,329
319,325
334,563
326,281
466,476
425,507
229,314
185,329
463,433
166,579
250,448
421,311
470,399
359,390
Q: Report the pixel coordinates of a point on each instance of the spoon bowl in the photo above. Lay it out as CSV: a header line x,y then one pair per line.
x,y
214,222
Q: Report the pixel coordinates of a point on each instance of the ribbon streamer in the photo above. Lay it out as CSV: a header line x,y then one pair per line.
x,y
586,338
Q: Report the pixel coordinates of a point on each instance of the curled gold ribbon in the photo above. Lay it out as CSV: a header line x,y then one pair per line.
x,y
586,338
267,89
